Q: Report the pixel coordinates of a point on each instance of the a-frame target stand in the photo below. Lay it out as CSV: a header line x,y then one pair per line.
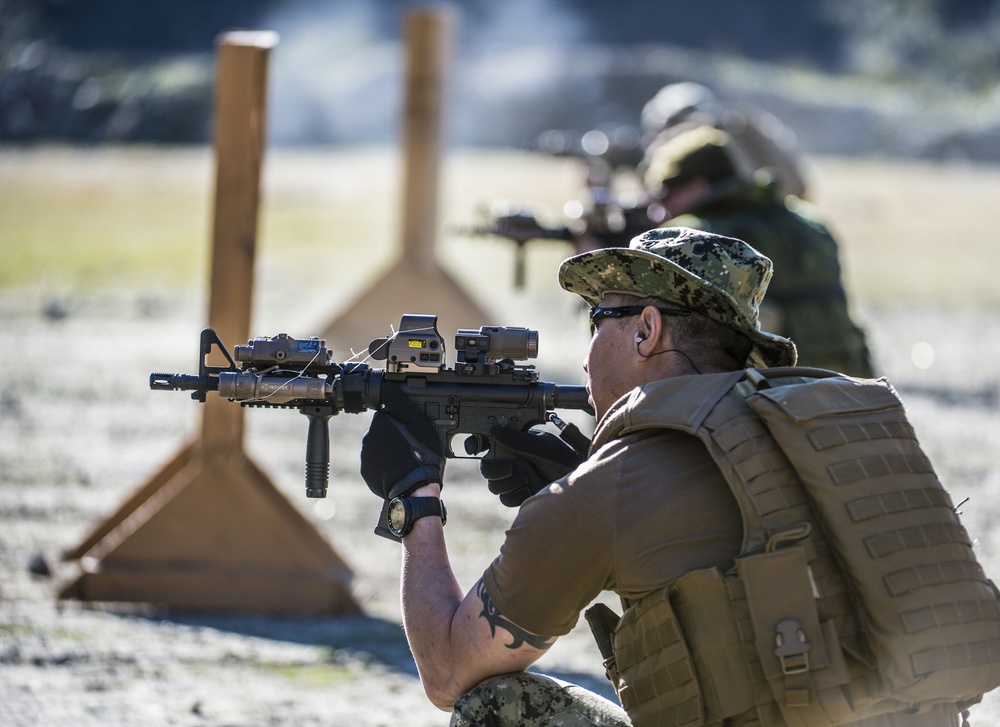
x,y
416,282
209,531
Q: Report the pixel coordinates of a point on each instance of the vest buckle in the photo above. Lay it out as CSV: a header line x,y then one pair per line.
x,y
793,649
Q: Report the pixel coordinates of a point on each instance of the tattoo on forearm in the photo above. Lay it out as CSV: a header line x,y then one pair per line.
x,y
494,619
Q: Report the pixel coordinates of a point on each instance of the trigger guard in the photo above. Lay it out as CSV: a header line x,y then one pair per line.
x,y
476,444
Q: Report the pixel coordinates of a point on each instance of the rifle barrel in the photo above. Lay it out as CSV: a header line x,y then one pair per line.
x,y
174,382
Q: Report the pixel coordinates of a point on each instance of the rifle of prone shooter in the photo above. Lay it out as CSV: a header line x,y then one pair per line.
x,y
484,389
520,226
611,221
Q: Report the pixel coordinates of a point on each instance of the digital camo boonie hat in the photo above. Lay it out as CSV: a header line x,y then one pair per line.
x,y
720,277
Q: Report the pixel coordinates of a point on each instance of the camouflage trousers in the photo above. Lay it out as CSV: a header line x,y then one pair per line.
x,y
525,699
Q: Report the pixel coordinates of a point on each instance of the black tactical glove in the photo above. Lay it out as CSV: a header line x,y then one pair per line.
x,y
401,450
522,463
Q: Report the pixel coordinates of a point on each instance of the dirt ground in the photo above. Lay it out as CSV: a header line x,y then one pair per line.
x,y
79,430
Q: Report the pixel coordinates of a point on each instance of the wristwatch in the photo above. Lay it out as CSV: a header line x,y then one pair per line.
x,y
404,511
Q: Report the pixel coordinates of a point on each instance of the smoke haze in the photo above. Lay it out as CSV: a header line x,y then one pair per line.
x,y
337,71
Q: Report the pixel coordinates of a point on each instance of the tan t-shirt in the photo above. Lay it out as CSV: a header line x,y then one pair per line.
x,y
643,510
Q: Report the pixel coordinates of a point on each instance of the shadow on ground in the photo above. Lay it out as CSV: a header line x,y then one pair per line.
x,y
363,638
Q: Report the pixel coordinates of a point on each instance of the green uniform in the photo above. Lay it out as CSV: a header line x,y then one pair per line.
x,y
806,296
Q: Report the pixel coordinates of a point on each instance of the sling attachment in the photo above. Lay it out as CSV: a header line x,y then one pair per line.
x,y
602,621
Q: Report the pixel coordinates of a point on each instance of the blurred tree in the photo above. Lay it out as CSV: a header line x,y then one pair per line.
x,y
952,42
19,21
152,26
121,70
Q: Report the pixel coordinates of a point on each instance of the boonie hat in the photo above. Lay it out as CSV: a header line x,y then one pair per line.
x,y
720,277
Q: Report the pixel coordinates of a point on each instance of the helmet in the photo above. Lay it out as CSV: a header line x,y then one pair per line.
x,y
697,151
675,103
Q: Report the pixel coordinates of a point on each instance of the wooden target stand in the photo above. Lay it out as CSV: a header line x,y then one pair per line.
x,y
210,532
416,282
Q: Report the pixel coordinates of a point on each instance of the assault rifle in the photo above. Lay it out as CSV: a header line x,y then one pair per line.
x,y
484,389
519,225
612,154
611,221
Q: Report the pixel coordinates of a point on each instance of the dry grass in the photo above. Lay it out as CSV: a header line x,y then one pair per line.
x,y
83,219
914,232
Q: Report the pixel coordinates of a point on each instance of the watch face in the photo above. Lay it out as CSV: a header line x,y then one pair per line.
x,y
397,516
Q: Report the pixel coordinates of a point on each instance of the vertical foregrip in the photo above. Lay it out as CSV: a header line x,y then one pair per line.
x,y
318,449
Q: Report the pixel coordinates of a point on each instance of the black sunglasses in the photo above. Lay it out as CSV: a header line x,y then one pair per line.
x,y
623,311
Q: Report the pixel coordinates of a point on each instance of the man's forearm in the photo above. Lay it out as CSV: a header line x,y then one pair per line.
x,y
430,597
457,641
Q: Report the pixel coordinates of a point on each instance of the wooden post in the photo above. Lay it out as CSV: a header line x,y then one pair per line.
x,y
240,109
427,51
210,532
416,283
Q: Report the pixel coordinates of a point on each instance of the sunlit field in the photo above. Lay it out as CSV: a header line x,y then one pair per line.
x,y
89,219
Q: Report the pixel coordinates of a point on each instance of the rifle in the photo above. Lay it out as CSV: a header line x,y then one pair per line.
x,y
612,221
485,388
519,225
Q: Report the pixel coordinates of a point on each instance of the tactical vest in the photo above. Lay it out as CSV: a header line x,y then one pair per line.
x,y
856,598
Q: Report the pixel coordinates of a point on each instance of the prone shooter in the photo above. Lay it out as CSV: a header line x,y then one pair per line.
x,y
612,215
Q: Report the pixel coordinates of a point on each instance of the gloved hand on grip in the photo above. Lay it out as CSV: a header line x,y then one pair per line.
x,y
522,463
401,450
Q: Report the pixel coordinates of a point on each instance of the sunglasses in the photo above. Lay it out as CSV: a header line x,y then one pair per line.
x,y
623,311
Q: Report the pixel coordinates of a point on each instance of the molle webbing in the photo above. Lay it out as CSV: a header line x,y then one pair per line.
x,y
657,682
930,615
856,595
786,561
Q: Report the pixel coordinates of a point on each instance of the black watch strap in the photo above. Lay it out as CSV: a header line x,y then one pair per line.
x,y
418,507
425,507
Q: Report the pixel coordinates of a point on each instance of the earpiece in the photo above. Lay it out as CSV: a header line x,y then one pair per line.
x,y
639,339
